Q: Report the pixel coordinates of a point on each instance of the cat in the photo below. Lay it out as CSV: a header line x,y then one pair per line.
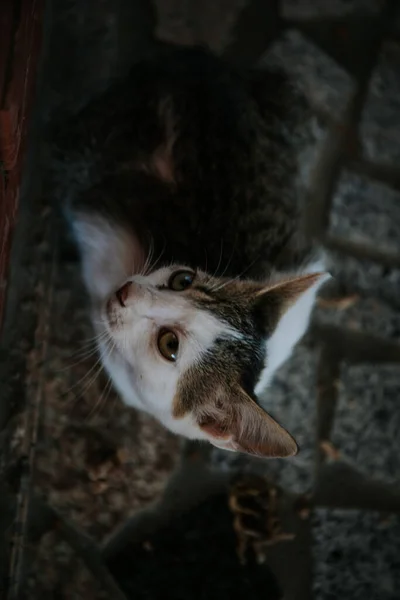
x,y
200,279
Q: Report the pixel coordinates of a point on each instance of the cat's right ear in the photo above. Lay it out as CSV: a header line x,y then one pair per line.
x,y
235,422
109,253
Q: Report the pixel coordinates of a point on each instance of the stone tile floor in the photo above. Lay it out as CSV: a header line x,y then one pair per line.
x,y
339,393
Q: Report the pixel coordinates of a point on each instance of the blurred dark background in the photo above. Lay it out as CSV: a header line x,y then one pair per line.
x,y
97,501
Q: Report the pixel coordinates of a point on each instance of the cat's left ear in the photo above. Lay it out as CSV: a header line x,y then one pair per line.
x,y
274,300
234,421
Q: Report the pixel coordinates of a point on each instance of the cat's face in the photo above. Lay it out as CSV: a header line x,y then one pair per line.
x,y
190,349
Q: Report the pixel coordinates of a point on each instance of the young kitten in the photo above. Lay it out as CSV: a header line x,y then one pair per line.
x,y
200,281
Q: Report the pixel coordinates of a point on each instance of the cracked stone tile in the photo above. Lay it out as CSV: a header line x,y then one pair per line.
x,y
326,85
291,399
356,555
310,9
367,422
380,124
366,212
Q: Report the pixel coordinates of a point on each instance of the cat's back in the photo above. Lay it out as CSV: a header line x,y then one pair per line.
x,y
208,149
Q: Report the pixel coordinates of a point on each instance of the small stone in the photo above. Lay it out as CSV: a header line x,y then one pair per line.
x,y
302,507
148,546
104,518
99,487
329,450
117,501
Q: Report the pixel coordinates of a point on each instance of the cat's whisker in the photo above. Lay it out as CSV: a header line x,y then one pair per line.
x,y
232,280
92,379
85,352
102,359
230,258
101,402
219,261
82,351
82,358
155,263
206,265
90,342
86,376
148,258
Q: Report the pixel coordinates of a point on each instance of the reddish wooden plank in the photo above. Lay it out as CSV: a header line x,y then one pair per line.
x,y
7,22
20,34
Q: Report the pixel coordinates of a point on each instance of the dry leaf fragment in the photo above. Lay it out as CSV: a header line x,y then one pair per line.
x,y
329,450
338,303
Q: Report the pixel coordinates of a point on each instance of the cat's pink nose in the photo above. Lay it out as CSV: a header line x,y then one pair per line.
x,y
123,293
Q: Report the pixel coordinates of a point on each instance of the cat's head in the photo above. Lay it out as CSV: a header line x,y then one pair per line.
x,y
192,350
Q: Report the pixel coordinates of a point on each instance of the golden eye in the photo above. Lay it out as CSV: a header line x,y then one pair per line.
x,y
168,344
181,280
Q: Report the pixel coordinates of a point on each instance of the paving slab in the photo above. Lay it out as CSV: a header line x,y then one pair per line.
x,y
210,23
366,212
327,86
367,423
380,124
311,9
367,315
356,555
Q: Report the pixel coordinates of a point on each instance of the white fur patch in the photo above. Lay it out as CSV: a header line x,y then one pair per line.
x,y
109,254
143,377
291,328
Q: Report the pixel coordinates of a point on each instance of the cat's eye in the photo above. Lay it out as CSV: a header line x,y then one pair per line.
x,y
168,344
181,280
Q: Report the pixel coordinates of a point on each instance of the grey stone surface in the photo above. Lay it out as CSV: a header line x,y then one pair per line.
x,y
366,277
308,9
102,42
326,85
194,22
291,400
366,212
369,315
367,421
356,555
395,26
380,125
309,151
